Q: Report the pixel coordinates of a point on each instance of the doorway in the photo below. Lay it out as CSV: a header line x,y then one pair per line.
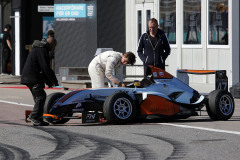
x,y
144,12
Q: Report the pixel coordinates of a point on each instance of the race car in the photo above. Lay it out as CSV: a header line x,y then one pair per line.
x,y
161,95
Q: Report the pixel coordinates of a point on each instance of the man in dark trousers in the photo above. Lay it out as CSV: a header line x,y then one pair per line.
x,y
153,47
35,74
6,49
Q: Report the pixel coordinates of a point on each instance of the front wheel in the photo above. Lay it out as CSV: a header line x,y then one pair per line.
x,y
220,105
50,101
119,108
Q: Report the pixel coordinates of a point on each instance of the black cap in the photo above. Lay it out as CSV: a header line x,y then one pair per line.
x,y
50,33
8,26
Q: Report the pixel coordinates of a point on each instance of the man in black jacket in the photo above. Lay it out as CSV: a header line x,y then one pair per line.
x,y
153,47
35,74
6,49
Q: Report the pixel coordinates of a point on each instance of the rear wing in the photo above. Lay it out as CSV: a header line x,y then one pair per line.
x,y
221,79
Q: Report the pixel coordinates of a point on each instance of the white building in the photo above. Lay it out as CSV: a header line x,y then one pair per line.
x,y
197,31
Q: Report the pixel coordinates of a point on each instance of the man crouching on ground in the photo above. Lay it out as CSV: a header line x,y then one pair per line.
x,y
35,74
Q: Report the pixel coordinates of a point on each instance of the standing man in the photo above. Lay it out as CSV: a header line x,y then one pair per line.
x,y
105,63
153,47
50,34
35,73
6,49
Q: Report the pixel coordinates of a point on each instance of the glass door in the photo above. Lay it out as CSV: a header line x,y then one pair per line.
x,y
144,13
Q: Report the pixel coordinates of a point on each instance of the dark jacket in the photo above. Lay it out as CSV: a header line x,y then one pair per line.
x,y
37,68
6,36
157,55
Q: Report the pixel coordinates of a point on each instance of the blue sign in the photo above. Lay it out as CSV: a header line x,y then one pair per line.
x,y
48,23
69,10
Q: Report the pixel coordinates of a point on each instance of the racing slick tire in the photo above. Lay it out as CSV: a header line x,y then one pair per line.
x,y
220,105
119,108
50,101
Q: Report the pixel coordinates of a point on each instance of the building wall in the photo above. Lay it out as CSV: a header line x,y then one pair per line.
x,y
199,57
235,42
78,40
6,13
34,19
111,25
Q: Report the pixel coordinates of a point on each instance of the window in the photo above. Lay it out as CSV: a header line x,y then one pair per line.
x,y
218,22
139,21
192,22
168,19
148,16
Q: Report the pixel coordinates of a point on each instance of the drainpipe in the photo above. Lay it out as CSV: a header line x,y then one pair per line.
x,y
1,17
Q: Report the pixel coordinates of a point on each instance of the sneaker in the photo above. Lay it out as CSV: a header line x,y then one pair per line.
x,y
37,122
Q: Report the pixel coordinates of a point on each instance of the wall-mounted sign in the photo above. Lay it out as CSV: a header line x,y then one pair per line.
x,y
90,10
47,8
69,12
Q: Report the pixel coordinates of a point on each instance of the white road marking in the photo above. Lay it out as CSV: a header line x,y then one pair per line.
x,y
16,103
201,128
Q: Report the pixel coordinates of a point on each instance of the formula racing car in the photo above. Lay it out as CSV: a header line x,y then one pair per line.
x,y
161,95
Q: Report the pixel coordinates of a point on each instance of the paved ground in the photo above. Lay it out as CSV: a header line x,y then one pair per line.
x,y
196,138
192,138
21,95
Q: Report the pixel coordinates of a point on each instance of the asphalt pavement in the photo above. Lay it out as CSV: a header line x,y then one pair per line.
x,y
193,138
20,140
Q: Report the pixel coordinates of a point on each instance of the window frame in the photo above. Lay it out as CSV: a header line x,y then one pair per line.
x,y
138,36
214,46
191,45
174,45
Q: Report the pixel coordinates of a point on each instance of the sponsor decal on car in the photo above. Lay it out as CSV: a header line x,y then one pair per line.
x,y
161,74
99,96
78,110
154,74
78,105
90,117
124,91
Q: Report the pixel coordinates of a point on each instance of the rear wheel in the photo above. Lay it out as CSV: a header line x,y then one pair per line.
x,y
220,105
119,108
50,101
